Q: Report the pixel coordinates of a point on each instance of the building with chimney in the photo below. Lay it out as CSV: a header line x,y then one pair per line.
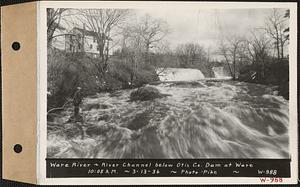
x,y
78,40
82,40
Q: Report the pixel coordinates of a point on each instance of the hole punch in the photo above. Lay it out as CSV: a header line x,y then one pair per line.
x,y
16,46
18,148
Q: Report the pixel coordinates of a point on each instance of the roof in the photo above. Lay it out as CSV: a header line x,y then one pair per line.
x,y
85,32
88,33
60,27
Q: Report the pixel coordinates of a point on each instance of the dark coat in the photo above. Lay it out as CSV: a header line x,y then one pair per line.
x,y
77,98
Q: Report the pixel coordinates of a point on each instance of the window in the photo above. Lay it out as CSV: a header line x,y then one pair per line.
x,y
79,46
71,47
97,47
91,46
94,39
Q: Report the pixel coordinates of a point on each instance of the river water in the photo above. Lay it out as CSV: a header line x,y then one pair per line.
x,y
206,118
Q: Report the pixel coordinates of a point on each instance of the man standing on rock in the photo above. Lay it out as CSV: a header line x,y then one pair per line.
x,y
77,100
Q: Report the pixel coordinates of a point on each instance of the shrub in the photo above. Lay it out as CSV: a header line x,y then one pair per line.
x,y
131,75
65,73
276,73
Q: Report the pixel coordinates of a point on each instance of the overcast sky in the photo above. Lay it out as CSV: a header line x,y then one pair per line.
x,y
206,26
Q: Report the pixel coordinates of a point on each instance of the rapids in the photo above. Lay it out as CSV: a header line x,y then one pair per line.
x,y
180,74
219,73
200,119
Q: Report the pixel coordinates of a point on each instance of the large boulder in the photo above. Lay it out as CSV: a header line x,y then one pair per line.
x,y
146,93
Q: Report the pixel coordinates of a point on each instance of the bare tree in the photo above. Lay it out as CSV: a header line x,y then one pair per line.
x,y
54,17
152,31
103,22
276,25
258,46
230,49
131,51
190,54
139,39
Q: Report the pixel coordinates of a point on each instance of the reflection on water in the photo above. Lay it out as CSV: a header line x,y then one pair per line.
x,y
201,119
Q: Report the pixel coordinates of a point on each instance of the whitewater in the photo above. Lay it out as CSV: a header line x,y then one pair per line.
x,y
200,118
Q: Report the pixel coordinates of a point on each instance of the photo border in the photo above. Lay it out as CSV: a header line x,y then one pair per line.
x,y
42,89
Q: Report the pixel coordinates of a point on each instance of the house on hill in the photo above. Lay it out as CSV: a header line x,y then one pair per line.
x,y
78,40
58,41
82,40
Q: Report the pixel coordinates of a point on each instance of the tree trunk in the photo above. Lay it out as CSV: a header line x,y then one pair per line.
x,y
230,69
147,53
282,46
234,73
278,50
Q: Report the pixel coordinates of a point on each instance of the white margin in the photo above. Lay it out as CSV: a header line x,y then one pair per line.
x,y
42,90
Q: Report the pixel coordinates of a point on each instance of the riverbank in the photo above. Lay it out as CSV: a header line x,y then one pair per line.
x,y
273,74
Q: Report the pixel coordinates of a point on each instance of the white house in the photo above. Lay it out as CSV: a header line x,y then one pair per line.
x,y
81,40
76,41
58,40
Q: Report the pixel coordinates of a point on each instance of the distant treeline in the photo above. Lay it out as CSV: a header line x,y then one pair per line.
x,y
130,52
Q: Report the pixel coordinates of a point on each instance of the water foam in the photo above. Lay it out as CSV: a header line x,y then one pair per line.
x,y
207,119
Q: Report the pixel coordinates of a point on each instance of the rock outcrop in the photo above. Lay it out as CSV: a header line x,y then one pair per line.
x,y
146,93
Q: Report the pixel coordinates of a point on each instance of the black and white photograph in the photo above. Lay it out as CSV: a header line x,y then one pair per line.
x,y
146,83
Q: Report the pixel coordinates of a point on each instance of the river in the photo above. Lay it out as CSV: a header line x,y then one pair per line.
x,y
205,118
